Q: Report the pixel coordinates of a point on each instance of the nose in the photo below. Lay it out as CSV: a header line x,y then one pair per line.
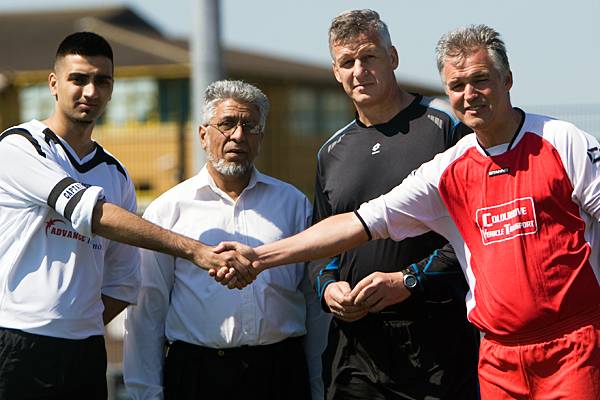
x,y
238,133
470,92
359,68
90,90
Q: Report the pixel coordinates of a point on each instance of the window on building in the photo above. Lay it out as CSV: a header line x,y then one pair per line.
x,y
303,111
35,102
318,111
133,100
336,110
174,99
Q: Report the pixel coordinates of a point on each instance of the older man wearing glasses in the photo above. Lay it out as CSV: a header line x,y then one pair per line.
x,y
261,342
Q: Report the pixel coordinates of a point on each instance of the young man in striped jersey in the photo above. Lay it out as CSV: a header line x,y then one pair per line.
x,y
65,207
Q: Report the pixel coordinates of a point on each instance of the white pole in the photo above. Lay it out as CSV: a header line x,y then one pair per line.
x,y
206,63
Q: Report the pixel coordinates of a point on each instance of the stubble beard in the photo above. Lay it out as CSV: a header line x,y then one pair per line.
x,y
84,119
227,168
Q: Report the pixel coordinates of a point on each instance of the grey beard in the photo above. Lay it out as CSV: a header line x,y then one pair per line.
x,y
229,168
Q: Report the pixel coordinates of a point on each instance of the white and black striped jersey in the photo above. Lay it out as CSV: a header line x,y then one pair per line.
x,y
52,268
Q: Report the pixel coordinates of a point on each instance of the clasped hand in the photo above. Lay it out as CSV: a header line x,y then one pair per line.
x,y
372,294
233,265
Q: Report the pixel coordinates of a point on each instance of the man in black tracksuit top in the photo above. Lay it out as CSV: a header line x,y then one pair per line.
x,y
382,346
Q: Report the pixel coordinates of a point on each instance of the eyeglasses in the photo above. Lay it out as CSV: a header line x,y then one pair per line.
x,y
228,127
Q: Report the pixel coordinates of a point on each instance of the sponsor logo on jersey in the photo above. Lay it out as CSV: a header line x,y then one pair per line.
x,y
58,227
594,154
376,149
51,222
500,171
507,221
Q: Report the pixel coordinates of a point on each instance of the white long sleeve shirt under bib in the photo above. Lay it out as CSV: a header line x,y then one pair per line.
x,y
179,301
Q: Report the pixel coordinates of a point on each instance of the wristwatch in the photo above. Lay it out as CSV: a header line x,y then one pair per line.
x,y
410,279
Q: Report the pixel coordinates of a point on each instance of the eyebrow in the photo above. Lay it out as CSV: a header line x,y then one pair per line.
x,y
104,77
476,74
230,118
344,57
84,74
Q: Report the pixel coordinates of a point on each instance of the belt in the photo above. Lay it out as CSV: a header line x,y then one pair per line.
x,y
241,351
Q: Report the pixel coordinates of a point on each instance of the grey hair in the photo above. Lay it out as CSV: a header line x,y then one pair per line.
x,y
241,91
349,24
464,40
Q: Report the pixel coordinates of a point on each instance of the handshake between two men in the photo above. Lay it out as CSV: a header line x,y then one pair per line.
x,y
240,265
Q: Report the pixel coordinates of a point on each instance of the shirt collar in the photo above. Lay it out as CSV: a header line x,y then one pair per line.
x,y
204,180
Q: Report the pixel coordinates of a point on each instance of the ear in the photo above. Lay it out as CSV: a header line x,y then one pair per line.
x,y
258,146
394,57
112,86
509,81
203,131
53,83
336,72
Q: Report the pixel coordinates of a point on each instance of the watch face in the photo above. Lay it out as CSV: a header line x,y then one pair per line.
x,y
410,281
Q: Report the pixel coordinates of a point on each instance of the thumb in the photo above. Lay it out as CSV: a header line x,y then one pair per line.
x,y
360,286
258,266
346,291
224,246
344,287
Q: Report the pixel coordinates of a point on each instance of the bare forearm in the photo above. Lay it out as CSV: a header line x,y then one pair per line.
x,y
325,239
115,223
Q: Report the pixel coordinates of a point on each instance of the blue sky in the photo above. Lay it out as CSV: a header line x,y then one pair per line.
x,y
553,45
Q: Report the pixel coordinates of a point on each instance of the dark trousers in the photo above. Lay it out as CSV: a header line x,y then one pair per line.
x,y
47,368
271,372
383,358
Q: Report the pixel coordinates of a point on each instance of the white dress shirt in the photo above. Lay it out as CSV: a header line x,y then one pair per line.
x,y
179,301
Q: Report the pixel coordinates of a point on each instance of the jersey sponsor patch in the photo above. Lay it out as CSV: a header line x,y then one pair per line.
x,y
51,224
507,221
58,228
500,171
